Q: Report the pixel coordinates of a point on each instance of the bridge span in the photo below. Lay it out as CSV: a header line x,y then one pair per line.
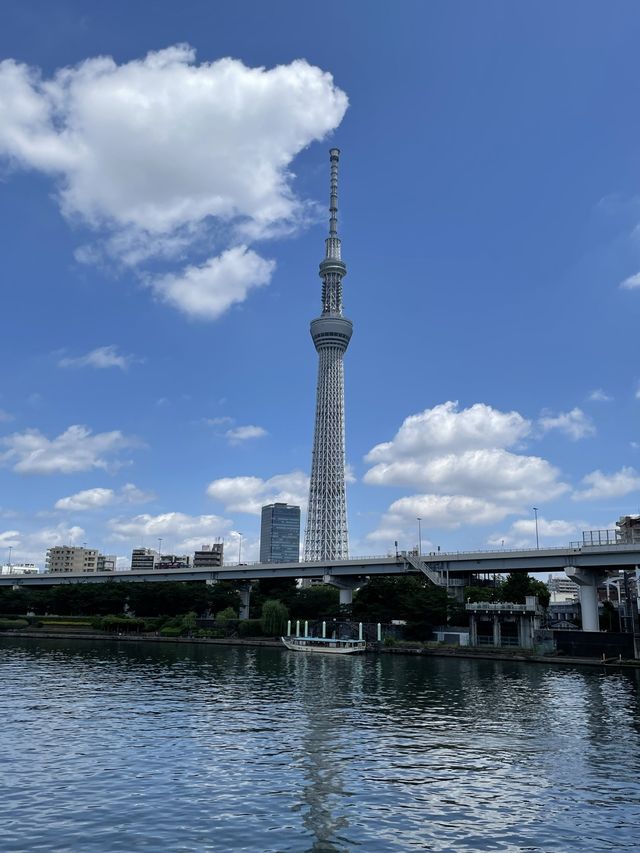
x,y
586,565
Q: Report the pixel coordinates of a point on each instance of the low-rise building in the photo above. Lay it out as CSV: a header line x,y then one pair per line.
x,y
209,556
19,569
68,558
172,561
144,559
107,562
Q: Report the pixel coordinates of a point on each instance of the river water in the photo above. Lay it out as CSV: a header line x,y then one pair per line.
x,y
127,747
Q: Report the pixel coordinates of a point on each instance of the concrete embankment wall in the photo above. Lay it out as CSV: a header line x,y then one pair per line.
x,y
374,648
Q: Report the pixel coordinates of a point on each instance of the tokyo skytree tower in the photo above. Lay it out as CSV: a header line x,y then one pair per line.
x,y
326,536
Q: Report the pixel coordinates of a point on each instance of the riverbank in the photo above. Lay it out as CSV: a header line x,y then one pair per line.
x,y
519,656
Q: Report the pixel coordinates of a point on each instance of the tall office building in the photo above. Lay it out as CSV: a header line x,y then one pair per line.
x,y
280,534
326,536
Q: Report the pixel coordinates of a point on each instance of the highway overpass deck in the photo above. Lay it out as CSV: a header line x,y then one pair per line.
x,y
449,567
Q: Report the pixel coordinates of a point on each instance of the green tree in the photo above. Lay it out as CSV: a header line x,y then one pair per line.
x,y
413,599
274,617
316,602
226,615
515,588
189,621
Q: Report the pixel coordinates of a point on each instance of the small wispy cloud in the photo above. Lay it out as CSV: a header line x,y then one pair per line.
x,y
575,423
237,435
221,421
599,396
5,416
101,358
631,282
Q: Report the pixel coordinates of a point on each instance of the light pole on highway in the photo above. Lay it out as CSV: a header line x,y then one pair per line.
x,y
535,513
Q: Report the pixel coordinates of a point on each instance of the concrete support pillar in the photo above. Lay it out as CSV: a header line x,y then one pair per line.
x,y
497,636
588,581
244,590
473,630
346,596
346,586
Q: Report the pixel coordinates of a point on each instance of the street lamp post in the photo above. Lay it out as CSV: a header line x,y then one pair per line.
x,y
239,547
419,537
535,513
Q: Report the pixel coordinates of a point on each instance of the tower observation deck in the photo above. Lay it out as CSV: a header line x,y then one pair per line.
x,y
326,535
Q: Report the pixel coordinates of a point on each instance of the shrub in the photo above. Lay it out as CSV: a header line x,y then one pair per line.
x,y
170,631
226,615
8,624
250,628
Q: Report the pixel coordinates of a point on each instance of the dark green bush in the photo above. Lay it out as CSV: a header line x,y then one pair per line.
x,y
8,624
250,628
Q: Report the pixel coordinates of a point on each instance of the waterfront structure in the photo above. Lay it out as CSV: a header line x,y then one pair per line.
x,y
209,556
280,533
67,558
326,535
504,624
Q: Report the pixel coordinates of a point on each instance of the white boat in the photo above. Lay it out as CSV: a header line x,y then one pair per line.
x,y
322,645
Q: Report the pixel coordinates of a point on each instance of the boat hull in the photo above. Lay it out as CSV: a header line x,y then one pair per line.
x,y
315,645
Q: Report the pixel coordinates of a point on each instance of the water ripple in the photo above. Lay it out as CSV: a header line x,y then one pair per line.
x,y
129,747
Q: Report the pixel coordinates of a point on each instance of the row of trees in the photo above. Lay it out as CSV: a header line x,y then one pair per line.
x,y
412,599
514,588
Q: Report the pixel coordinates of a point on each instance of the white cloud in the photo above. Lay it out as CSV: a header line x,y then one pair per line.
x,y
9,538
99,497
31,547
445,429
101,357
599,396
437,511
460,462
493,473
76,449
600,485
87,499
160,154
632,282
238,434
522,533
250,494
207,291
179,532
575,423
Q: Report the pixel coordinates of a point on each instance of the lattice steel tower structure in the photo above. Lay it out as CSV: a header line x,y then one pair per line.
x,y
326,536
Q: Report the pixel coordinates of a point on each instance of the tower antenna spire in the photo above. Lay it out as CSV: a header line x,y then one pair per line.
x,y
334,158
332,243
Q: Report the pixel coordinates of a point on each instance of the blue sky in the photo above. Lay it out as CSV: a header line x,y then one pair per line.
x,y
163,192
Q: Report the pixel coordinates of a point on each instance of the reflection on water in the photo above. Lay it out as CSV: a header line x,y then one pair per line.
x,y
161,747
